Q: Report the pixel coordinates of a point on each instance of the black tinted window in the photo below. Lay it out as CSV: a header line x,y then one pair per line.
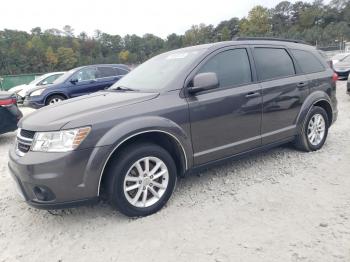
x,y
121,71
106,72
273,63
232,67
307,61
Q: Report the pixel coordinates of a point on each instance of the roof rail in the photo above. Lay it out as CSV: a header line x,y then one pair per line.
x,y
270,39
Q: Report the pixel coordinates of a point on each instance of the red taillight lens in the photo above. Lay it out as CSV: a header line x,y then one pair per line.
x,y
335,77
7,102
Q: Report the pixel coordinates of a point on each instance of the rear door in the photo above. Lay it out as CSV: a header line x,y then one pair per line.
x,y
226,121
283,90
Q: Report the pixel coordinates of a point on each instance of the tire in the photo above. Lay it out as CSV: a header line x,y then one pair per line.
x,y
123,174
54,99
304,140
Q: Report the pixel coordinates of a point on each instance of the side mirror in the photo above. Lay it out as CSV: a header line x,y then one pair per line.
x,y
204,82
74,81
44,83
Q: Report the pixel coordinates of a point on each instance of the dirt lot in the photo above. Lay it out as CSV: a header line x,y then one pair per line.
x,y
282,205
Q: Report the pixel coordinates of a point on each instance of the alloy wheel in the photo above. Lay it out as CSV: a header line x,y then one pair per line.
x,y
316,129
146,182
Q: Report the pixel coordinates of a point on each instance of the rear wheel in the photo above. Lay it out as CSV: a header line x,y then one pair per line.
x,y
141,179
54,99
314,131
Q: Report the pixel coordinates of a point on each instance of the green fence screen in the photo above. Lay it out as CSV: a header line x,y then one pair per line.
x,y
8,81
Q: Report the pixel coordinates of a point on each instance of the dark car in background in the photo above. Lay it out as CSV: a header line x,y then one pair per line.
x,y
342,68
178,112
76,82
9,112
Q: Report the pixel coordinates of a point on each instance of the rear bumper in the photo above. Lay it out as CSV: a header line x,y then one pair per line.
x,y
342,74
9,117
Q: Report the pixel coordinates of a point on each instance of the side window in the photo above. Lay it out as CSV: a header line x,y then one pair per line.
x,y
106,72
307,61
120,71
273,63
86,74
232,67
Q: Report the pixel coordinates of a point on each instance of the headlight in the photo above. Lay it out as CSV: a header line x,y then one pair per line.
x,y
59,141
37,92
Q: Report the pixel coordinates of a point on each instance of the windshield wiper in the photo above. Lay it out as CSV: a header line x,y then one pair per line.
x,y
123,88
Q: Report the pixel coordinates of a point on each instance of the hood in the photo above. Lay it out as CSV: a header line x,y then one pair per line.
x,y
54,117
15,89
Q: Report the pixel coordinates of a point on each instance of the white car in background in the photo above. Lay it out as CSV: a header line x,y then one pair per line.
x,y
338,57
45,79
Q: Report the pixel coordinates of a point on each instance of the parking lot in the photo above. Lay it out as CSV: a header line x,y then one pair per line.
x,y
281,205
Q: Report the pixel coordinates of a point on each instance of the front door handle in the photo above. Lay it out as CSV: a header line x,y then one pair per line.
x,y
252,94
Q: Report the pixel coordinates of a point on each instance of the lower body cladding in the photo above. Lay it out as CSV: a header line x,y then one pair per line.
x,y
58,180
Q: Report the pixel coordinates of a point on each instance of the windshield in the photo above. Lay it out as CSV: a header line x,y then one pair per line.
x,y
65,76
156,73
340,56
38,79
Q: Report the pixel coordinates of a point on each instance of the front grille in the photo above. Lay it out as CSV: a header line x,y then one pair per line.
x,y
24,141
27,133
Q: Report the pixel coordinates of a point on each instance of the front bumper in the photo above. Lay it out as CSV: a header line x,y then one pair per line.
x,y
58,180
34,102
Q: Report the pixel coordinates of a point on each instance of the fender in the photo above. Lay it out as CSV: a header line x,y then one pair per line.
x,y
312,99
136,126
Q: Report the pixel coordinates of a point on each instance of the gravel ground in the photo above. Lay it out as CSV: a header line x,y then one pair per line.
x,y
282,205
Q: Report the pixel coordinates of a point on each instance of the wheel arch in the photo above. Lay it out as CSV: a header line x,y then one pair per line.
x,y
55,94
165,134
317,98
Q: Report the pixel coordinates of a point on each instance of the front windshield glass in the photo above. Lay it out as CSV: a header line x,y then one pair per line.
x,y
64,77
156,73
37,80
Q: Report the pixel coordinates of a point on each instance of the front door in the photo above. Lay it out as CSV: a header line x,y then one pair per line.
x,y
227,120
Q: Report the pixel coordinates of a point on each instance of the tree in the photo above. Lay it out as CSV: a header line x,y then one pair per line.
x,y
124,56
68,31
67,59
51,58
257,23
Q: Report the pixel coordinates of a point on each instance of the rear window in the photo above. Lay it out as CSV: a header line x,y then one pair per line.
x,y
273,63
121,71
106,72
307,61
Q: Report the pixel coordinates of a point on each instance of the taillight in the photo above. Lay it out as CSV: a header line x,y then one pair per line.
x,y
8,102
335,77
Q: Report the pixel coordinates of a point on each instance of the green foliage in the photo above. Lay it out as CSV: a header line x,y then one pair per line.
x,y
53,49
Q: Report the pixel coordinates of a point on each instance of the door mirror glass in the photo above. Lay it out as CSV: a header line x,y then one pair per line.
x,y
204,81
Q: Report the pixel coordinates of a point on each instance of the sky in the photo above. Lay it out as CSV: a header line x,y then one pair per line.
x,y
159,17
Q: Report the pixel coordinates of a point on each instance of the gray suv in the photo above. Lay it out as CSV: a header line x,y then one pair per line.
x,y
176,113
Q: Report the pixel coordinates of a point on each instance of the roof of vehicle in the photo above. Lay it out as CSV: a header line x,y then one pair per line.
x,y
277,42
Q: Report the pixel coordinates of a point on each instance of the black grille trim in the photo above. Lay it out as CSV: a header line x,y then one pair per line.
x,y
27,133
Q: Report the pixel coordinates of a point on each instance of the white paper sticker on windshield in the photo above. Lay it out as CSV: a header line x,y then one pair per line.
x,y
177,56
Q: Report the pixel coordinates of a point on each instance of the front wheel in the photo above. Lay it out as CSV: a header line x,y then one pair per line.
x,y
54,99
314,131
141,179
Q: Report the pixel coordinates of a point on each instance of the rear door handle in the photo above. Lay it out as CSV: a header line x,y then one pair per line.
x,y
252,94
301,84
